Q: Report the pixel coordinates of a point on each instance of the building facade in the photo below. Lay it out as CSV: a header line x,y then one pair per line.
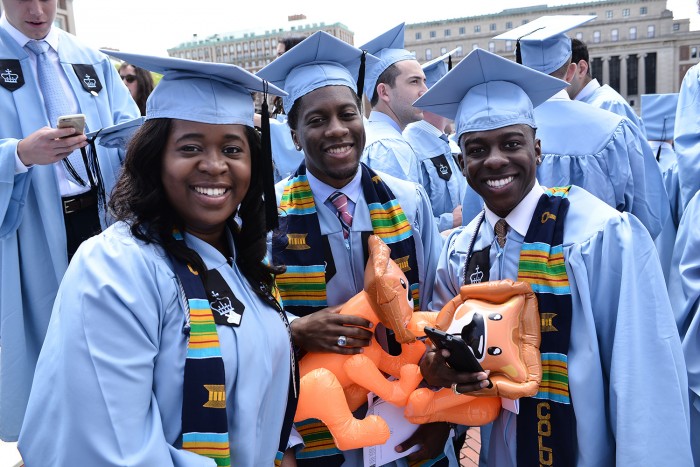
x,y
251,51
635,46
64,16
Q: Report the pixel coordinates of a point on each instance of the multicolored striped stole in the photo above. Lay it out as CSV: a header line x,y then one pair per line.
x,y
546,423
204,422
299,245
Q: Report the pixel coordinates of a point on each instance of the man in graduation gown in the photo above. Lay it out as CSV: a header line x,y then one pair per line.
x,y
687,134
324,244
587,89
391,85
442,177
614,383
37,195
659,115
583,145
684,290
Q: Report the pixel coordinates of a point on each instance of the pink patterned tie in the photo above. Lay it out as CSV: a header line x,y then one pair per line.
x,y
340,201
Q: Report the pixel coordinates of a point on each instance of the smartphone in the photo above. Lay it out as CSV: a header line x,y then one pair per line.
x,y
76,121
461,356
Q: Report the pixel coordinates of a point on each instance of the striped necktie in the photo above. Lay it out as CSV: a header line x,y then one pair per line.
x,y
501,230
55,98
340,201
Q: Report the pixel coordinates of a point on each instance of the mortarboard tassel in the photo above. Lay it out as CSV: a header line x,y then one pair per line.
x,y
268,181
361,75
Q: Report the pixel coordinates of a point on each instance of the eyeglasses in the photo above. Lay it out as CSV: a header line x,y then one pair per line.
x,y
129,78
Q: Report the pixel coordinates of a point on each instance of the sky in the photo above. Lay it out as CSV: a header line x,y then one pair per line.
x,y
153,26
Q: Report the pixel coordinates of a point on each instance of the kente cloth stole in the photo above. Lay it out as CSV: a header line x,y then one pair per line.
x,y
204,423
299,245
546,433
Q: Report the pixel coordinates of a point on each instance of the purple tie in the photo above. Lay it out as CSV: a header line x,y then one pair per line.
x,y
340,201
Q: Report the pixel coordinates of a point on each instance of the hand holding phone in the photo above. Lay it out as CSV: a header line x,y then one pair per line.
x,y
461,357
76,121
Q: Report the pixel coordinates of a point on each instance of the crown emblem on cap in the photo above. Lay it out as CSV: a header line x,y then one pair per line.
x,y
476,276
10,77
443,169
223,306
89,81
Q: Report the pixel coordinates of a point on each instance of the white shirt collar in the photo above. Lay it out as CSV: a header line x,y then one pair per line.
x,y
560,96
588,89
519,218
322,191
21,39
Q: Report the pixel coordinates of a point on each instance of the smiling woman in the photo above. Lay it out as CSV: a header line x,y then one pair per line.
x,y
166,344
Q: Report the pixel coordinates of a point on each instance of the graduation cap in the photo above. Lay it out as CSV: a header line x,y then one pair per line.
x,y
659,115
116,136
485,91
388,48
212,93
437,68
542,44
319,60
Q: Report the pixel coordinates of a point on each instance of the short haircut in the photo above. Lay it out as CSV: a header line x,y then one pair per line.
x,y
579,51
388,77
561,71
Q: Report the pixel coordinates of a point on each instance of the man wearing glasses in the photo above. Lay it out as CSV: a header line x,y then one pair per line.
x,y
51,193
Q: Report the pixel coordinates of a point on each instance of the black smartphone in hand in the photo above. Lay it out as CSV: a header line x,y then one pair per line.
x,y
461,357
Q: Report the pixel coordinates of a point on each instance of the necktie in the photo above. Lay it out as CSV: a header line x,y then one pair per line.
x,y
501,230
340,201
445,138
54,97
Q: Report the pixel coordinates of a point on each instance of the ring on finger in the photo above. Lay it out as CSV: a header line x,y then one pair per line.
x,y
455,391
342,341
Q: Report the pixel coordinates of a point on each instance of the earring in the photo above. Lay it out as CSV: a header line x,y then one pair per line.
x,y
538,160
297,147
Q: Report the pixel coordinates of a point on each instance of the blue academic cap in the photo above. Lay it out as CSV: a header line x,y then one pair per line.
x,y
388,48
543,44
659,115
215,93
212,93
436,68
319,60
116,136
485,91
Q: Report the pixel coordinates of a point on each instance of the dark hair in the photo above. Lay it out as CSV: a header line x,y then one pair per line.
x,y
561,71
579,51
388,77
139,199
144,79
290,42
293,116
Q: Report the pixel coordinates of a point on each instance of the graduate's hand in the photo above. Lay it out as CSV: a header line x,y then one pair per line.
x,y
437,372
289,458
49,145
319,332
457,216
431,438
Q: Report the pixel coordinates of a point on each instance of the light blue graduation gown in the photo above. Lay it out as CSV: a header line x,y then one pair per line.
x,y
108,385
350,264
445,195
605,97
684,290
33,253
387,151
687,134
669,171
604,154
284,154
600,152
626,372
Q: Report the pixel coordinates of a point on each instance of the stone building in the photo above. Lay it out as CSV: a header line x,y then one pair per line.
x,y
635,46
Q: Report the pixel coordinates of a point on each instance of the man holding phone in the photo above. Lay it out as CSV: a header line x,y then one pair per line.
x,y
47,206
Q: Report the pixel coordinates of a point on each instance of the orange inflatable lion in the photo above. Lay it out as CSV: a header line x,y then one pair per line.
x,y
334,385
